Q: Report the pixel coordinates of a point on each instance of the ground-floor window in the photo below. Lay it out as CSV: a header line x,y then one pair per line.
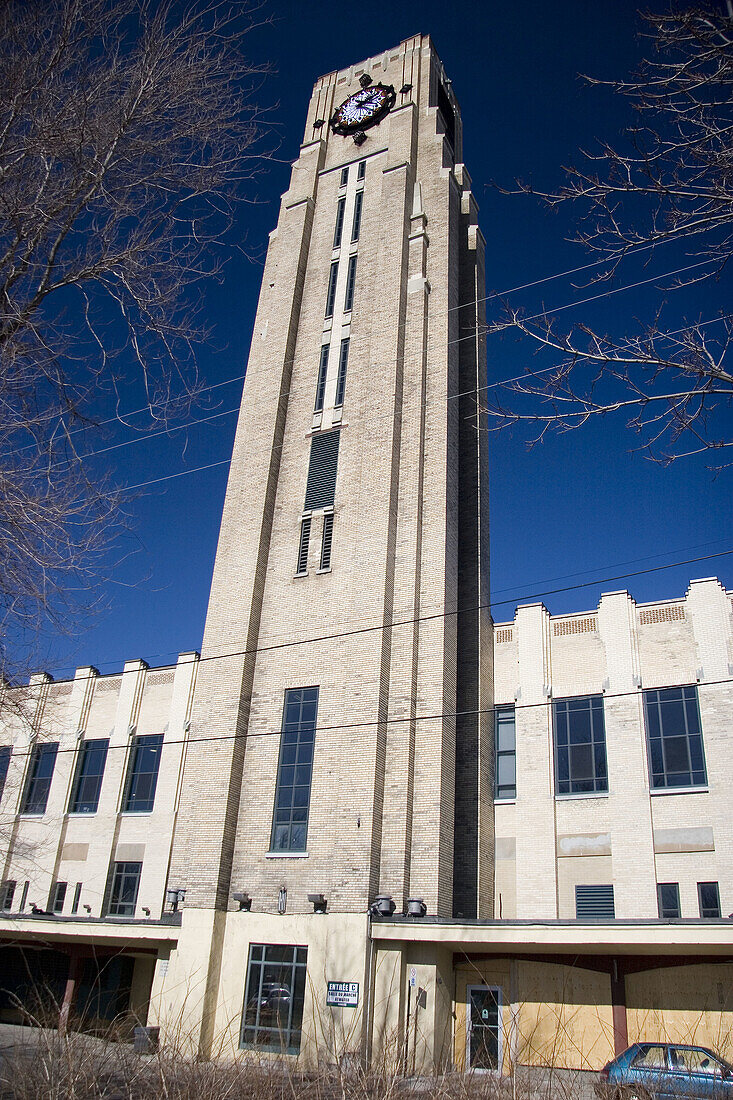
x,y
273,1002
483,1020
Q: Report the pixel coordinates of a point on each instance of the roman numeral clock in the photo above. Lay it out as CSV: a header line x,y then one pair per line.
x,y
363,109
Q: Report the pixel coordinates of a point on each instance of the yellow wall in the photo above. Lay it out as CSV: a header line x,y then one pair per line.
x,y
683,1004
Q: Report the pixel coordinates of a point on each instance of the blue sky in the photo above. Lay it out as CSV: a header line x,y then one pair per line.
x,y
578,508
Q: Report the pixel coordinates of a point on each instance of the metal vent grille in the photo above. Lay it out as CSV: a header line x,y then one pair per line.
x,y
321,484
327,541
111,683
575,626
305,534
661,614
594,902
155,679
504,635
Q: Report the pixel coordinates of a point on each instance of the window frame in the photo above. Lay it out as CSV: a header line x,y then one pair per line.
x,y
356,220
322,377
350,284
33,803
665,908
57,897
291,807
344,176
691,777
361,173
93,779
338,231
7,893
6,755
140,743
283,1039
120,873
501,712
331,291
563,711
709,916
341,376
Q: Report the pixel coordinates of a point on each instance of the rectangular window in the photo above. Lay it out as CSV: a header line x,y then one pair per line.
x,y
338,231
305,535
580,745
321,485
57,897
124,887
362,170
77,898
7,893
344,176
24,895
341,380
708,895
5,752
594,902
327,540
668,900
321,384
88,779
676,757
142,774
294,770
38,783
356,224
505,785
273,1001
331,295
350,284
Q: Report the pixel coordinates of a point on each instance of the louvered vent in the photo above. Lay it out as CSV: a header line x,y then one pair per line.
x,y
504,635
661,614
594,902
109,683
305,534
575,626
321,485
327,541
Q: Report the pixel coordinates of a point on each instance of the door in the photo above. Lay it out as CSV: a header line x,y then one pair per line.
x,y
483,1019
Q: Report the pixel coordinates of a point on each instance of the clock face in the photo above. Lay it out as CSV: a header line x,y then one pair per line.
x,y
364,108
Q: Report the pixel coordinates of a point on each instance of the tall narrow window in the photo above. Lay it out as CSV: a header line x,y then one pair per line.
x,y
341,380
24,895
580,745
38,783
321,384
7,893
88,779
362,170
356,225
305,534
77,898
273,1002
327,541
5,752
294,770
124,889
142,774
506,754
668,900
331,296
57,897
708,895
344,176
338,231
676,757
350,284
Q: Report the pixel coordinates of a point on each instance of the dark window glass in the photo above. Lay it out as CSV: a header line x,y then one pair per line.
x,y
125,885
294,769
7,893
142,774
24,895
338,231
676,757
273,1001
350,284
505,785
708,896
40,773
331,296
327,541
341,380
77,896
362,170
5,753
594,902
88,780
580,745
344,176
321,484
356,224
321,384
668,899
58,897
305,534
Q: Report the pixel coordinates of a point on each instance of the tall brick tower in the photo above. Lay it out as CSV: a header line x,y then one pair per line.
x,y
339,737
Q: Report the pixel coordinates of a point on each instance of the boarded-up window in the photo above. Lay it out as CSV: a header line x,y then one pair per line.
x,y
321,484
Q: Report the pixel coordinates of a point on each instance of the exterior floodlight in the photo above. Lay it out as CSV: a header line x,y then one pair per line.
x,y
318,902
174,898
244,901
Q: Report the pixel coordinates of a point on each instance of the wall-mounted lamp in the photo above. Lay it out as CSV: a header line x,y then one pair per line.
x,y
244,901
174,898
318,902
88,909
320,122
382,906
282,900
416,907
146,911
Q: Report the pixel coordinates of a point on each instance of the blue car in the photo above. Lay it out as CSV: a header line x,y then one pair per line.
x,y
666,1071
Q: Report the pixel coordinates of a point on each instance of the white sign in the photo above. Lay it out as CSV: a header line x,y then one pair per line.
x,y
342,994
413,976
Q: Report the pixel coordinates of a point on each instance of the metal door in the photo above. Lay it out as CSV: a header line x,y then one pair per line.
x,y
483,1018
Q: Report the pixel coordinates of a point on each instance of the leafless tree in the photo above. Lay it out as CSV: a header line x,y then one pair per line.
x,y
129,131
672,182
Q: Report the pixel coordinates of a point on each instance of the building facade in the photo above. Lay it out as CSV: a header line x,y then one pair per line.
x,y
365,819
